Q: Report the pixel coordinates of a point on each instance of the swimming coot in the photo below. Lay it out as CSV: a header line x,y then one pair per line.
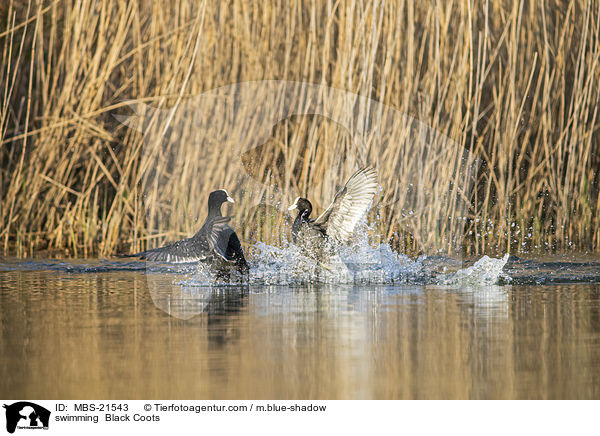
x,y
216,242
342,215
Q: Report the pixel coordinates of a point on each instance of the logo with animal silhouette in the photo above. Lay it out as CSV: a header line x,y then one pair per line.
x,y
26,415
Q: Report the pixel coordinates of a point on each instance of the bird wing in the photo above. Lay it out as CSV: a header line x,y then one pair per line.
x,y
349,205
225,242
186,250
218,233
196,248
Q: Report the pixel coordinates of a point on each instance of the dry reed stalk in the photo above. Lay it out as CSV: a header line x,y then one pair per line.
x,y
513,85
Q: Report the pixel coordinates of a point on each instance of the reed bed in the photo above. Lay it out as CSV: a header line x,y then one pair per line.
x,y
508,91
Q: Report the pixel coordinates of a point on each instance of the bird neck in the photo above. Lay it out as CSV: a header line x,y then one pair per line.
x,y
214,211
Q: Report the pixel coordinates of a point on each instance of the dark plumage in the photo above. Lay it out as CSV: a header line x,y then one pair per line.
x,y
215,242
342,215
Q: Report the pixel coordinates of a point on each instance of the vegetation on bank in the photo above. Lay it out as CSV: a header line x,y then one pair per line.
x,y
515,84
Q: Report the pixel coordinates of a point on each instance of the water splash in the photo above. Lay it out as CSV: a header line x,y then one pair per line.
x,y
357,264
361,263
486,271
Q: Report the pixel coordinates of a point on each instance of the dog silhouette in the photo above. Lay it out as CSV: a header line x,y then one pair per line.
x,y
29,411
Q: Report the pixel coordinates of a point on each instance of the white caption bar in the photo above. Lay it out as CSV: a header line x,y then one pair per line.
x,y
23,417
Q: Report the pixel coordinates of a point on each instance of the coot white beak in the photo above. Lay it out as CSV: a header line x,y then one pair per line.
x,y
229,199
295,205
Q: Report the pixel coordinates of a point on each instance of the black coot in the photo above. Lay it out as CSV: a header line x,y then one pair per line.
x,y
216,242
342,215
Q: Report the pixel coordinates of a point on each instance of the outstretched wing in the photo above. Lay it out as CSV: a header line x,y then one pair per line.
x,y
349,206
217,235
197,248
224,241
186,250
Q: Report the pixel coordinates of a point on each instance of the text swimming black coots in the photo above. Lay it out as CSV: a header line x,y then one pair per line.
x,y
342,215
215,242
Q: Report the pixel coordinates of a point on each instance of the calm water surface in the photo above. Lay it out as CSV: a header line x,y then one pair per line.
x,y
130,334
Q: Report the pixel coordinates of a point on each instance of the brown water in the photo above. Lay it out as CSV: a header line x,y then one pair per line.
x,y
103,336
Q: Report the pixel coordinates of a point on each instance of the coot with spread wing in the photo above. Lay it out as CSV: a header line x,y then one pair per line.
x,y
343,214
216,242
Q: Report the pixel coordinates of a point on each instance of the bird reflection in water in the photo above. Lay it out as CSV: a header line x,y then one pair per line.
x,y
216,303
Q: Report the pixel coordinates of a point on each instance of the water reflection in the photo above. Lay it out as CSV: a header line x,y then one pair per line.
x,y
136,335
487,302
185,302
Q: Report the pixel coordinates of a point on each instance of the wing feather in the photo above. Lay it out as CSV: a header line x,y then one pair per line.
x,y
218,233
215,238
193,249
349,205
186,250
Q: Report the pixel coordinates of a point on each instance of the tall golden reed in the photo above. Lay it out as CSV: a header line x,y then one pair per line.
x,y
514,84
